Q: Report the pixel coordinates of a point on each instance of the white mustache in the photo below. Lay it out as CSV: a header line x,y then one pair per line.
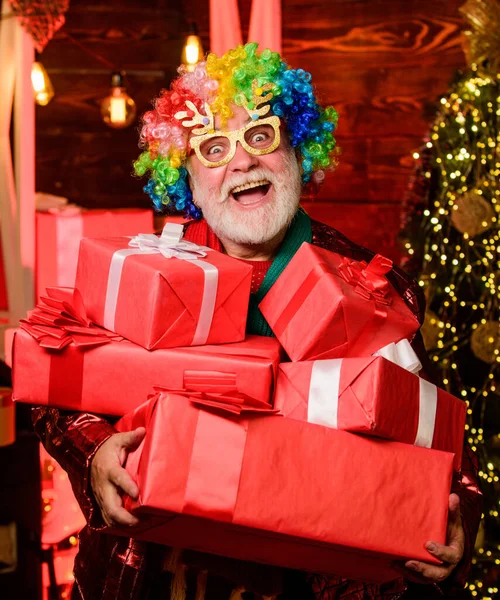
x,y
253,177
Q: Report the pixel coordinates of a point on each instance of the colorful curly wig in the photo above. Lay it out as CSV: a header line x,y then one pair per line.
x,y
221,82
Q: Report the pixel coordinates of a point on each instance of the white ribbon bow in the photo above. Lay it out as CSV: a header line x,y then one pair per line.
x,y
401,354
169,244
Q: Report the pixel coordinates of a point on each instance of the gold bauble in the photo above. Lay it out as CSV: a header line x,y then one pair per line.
x,y
430,330
482,40
473,214
485,340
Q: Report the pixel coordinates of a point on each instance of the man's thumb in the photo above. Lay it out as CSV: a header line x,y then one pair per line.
x,y
131,439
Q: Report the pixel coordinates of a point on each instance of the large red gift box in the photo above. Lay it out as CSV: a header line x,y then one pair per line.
x,y
285,492
59,232
372,396
160,302
117,377
324,305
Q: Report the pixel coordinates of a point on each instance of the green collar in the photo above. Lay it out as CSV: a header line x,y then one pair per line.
x,y
299,231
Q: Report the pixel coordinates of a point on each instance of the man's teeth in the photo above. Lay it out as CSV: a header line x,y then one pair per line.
x,y
249,186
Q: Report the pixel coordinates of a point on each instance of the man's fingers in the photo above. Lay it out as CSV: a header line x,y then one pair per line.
x,y
123,480
447,554
132,439
113,511
434,573
120,516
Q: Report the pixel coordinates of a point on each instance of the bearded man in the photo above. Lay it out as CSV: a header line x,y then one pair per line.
x,y
231,145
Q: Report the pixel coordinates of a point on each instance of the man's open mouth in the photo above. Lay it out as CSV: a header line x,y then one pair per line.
x,y
251,193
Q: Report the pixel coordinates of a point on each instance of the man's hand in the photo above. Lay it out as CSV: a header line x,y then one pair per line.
x,y
450,555
108,477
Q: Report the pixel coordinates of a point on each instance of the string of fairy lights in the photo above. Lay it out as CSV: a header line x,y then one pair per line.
x,y
459,237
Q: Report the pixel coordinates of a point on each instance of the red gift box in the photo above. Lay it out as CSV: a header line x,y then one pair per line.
x,y
59,232
324,305
160,302
372,396
284,492
117,377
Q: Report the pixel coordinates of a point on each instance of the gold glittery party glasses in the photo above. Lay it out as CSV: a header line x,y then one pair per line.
x,y
219,147
216,148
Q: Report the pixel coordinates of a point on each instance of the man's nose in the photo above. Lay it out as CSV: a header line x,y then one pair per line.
x,y
243,160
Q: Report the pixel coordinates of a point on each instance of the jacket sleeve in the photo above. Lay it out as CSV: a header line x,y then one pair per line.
x,y
465,485
72,439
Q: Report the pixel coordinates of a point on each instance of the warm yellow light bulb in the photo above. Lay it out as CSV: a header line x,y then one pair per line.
x,y
192,52
43,91
118,109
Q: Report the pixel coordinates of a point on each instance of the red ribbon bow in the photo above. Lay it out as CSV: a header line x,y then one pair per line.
x,y
60,319
219,391
368,280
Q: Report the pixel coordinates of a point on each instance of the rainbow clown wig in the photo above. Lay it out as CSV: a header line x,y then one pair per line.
x,y
234,78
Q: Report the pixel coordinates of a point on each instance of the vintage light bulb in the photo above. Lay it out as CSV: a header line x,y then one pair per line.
x,y
192,52
43,91
118,109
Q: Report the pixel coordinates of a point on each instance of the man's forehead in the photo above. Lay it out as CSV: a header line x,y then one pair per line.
x,y
239,118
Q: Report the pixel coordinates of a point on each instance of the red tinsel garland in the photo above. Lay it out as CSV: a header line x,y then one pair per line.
x,y
40,18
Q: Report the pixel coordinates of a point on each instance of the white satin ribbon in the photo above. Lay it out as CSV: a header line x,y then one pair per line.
x,y
170,246
426,414
207,310
323,404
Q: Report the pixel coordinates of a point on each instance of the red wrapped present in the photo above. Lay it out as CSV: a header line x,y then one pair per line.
x,y
372,396
284,492
140,289
327,306
66,366
59,232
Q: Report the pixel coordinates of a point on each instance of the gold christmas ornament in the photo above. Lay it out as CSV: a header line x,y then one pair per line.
x,y
485,341
482,41
430,330
473,214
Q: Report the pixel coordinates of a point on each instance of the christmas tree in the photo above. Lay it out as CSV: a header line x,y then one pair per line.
x,y
451,236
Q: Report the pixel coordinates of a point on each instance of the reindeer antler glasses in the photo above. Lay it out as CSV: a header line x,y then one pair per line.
x,y
217,148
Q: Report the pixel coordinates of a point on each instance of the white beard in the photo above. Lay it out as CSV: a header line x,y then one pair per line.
x,y
259,225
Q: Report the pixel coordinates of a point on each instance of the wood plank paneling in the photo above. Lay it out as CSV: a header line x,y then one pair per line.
x,y
368,224
78,156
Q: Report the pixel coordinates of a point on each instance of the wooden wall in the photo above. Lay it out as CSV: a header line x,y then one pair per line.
x,y
382,63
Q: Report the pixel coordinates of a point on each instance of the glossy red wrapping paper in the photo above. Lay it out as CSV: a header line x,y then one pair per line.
x,y
159,299
315,313
117,377
374,397
285,492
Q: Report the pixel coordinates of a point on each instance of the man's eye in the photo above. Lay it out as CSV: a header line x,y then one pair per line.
x,y
258,137
215,149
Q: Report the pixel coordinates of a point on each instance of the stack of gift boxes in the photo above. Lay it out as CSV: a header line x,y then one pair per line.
x,y
321,449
